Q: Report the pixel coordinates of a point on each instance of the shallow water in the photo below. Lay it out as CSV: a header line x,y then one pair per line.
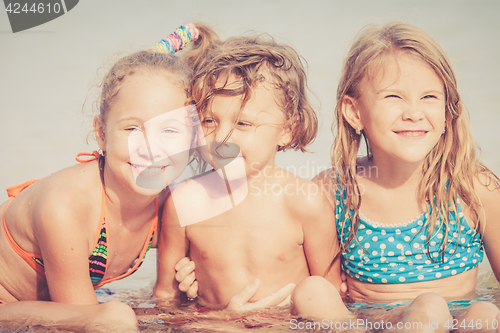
x,y
187,317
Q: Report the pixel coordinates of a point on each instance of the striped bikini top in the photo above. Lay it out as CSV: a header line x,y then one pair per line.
x,y
99,256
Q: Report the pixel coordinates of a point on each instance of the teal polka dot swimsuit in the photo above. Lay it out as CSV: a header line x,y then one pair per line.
x,y
400,254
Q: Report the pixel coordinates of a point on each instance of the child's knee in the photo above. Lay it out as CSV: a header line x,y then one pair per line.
x,y
316,297
311,289
116,316
485,309
429,306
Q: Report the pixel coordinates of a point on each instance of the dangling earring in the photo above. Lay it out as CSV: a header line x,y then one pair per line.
x,y
444,130
101,152
358,131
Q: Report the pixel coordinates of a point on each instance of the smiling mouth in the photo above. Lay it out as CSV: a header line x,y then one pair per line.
x,y
411,134
147,170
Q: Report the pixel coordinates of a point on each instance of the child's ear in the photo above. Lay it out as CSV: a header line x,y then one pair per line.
x,y
350,111
286,136
99,132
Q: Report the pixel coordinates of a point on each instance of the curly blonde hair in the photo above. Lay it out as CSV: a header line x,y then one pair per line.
x,y
254,60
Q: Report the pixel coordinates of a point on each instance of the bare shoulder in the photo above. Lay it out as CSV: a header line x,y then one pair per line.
x,y
327,181
187,186
487,184
325,177
487,187
67,197
189,200
190,191
308,199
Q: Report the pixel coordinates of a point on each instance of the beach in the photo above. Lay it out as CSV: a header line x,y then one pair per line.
x,y
49,75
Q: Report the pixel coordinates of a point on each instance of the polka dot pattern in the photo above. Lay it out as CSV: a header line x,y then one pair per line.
x,y
401,254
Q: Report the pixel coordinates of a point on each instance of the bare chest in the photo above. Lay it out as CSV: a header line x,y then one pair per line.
x,y
248,237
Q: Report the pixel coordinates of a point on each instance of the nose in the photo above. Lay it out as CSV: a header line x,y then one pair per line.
x,y
223,132
413,112
152,149
223,142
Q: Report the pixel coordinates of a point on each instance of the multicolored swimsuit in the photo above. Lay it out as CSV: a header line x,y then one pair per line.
x,y
98,258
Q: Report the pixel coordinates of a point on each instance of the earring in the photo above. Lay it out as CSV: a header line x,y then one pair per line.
x,y
101,152
444,130
358,131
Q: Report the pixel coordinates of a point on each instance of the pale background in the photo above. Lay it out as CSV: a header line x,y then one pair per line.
x,y
46,72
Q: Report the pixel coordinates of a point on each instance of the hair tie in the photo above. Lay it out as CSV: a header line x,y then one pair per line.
x,y
180,38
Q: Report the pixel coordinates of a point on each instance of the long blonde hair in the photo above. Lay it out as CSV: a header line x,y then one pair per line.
x,y
449,168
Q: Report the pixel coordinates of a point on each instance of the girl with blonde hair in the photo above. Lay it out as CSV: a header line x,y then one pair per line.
x,y
89,224
416,214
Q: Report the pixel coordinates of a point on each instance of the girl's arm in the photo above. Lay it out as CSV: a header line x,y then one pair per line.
x,y
60,228
172,247
488,191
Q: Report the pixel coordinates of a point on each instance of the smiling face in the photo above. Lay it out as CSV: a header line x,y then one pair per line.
x,y
146,133
251,136
401,109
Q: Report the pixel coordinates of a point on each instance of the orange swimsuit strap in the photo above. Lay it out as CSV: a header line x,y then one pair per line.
x,y
93,156
14,190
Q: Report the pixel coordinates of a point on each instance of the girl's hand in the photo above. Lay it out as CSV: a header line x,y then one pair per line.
x,y
186,277
240,302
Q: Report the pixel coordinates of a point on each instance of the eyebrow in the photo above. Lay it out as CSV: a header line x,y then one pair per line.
x,y
397,91
127,119
435,92
142,122
384,90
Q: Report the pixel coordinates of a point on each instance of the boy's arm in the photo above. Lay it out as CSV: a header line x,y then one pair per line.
x,y
320,237
488,190
172,246
325,181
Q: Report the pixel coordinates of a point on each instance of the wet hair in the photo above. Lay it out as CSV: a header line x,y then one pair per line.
x,y
450,167
170,66
150,62
252,61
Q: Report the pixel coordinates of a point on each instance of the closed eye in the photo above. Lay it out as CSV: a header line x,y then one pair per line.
x,y
133,129
429,97
244,123
209,122
170,130
392,96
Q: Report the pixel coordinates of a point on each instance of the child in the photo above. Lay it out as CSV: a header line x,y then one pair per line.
x,y
253,220
67,234
435,205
